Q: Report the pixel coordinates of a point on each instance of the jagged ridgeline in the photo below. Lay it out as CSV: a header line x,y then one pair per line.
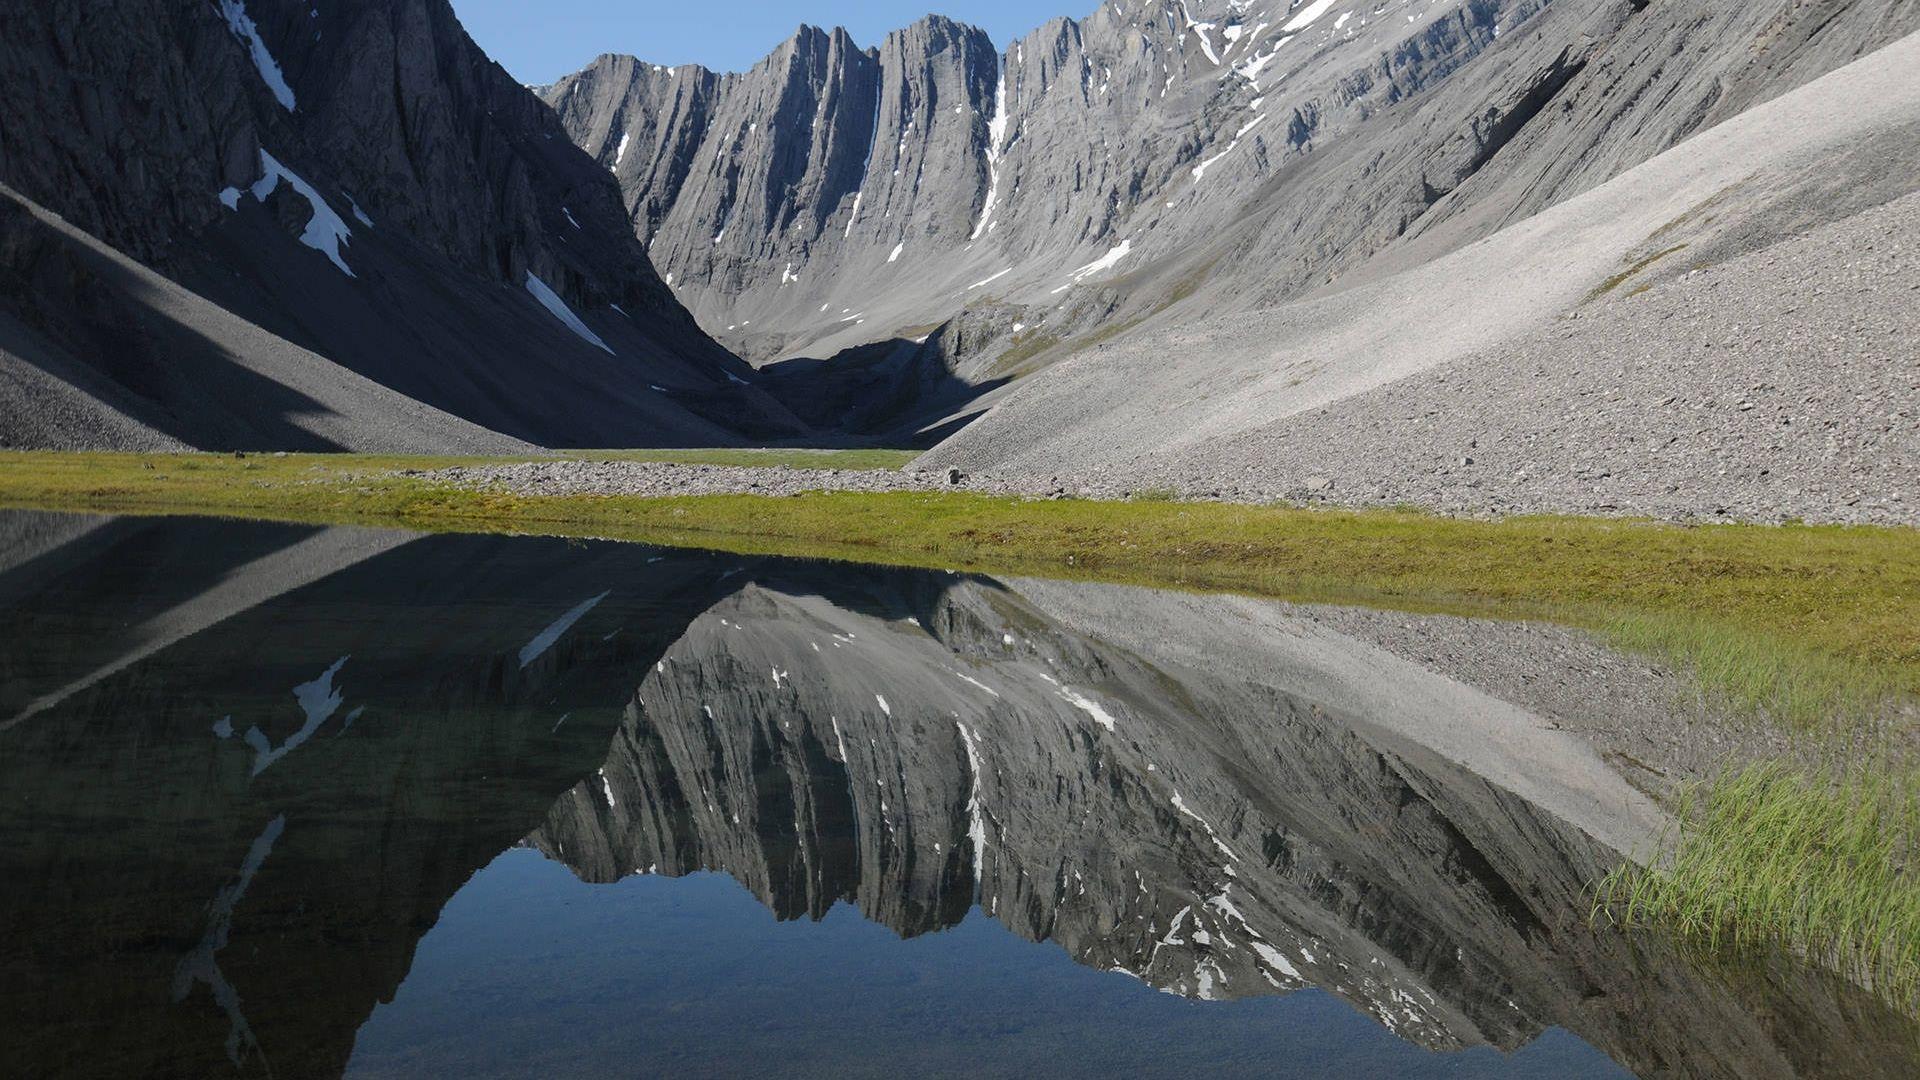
x,y
991,208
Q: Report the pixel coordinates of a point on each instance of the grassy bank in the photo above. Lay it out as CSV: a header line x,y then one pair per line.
x,y
1821,863
1787,619
1798,621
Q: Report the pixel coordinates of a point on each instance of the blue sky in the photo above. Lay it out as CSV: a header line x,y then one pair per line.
x,y
541,40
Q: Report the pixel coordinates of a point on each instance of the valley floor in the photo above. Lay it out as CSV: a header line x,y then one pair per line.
x,y
1780,664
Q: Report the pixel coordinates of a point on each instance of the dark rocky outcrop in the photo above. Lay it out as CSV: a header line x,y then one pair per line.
x,y
364,190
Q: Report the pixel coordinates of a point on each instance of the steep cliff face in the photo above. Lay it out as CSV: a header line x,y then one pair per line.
x,y
1159,161
825,168
362,185
833,195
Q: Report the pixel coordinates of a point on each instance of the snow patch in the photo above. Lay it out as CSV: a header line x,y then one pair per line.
x,y
976,812
1306,16
238,21
325,230
318,700
990,280
558,307
1089,706
996,147
1105,262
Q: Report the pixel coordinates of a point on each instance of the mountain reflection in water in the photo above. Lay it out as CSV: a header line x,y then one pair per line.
x,y
245,768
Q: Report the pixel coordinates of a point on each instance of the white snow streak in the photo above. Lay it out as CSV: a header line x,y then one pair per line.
x,y
318,700
990,280
202,964
238,21
1105,262
1275,959
1306,16
866,162
1180,804
1087,705
1202,30
552,302
996,146
976,814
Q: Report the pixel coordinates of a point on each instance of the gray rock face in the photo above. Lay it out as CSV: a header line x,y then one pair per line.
x,y
1235,152
362,185
1164,179
833,195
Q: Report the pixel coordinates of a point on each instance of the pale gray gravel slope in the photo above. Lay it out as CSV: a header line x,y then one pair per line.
x,y
1207,408
1784,384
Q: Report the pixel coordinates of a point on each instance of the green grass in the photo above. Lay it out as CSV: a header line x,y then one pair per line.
x,y
862,459
1819,863
1805,622
1790,680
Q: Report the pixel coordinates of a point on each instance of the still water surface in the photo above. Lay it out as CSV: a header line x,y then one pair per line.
x,y
316,802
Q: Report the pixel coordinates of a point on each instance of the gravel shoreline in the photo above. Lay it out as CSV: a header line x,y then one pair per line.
x,y
652,479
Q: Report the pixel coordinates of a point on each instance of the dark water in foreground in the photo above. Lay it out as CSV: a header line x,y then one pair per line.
x,y
302,802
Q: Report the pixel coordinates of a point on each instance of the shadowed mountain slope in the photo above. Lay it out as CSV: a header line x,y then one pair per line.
x,y
280,226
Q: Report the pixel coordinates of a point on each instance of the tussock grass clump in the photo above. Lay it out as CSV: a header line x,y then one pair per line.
x,y
1772,856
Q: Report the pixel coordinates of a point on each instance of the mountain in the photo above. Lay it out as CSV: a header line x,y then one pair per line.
x,y
265,224
946,219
